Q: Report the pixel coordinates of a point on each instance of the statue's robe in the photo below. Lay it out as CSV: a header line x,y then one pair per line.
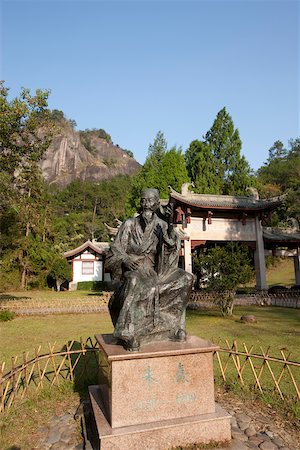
x,y
151,301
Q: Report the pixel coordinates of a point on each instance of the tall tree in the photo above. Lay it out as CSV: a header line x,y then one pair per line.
x,y
24,136
162,168
201,168
216,165
281,175
277,151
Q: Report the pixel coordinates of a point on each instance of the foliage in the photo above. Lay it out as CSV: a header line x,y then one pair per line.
x,y
129,153
25,133
6,316
86,140
59,118
222,269
87,135
92,286
281,174
103,135
216,165
21,120
82,209
162,168
110,162
60,271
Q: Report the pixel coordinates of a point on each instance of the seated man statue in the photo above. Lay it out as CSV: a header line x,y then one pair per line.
x,y
150,303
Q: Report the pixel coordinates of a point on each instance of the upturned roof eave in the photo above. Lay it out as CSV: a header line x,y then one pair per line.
x,y
281,236
260,205
81,248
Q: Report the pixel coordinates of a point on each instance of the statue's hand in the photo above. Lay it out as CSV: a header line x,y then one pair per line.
x,y
158,231
168,213
132,264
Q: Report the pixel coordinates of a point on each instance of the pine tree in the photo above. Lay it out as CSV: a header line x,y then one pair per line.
x,y
162,168
216,165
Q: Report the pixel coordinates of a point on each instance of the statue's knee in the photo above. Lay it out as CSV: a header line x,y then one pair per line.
x,y
190,279
132,278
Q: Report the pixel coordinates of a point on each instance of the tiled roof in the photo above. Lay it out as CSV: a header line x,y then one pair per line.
x,y
226,201
83,247
281,234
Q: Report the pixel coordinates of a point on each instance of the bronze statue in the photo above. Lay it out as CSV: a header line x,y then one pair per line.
x,y
151,301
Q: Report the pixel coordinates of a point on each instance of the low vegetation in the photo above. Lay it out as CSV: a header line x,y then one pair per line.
x,y
7,315
26,333
19,426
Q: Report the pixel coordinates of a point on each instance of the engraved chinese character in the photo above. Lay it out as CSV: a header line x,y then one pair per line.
x,y
181,375
149,377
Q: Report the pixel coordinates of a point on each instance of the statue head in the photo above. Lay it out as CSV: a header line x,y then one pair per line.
x,y
150,200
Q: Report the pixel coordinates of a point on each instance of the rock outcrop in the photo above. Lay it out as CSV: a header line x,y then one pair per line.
x,y
86,156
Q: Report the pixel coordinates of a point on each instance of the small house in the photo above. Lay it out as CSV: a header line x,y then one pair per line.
x,y
88,262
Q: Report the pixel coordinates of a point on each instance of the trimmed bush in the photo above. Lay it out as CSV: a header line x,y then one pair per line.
x,y
92,286
6,315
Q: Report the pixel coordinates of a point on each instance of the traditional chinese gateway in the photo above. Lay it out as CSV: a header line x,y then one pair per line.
x,y
204,220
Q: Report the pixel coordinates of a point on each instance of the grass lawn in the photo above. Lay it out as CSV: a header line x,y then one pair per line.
x,y
50,299
26,333
286,321
49,295
282,273
276,327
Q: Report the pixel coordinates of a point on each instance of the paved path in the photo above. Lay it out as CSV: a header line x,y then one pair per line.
x,y
251,429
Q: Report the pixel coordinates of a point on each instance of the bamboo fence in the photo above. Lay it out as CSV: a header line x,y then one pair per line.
x,y
77,360
260,371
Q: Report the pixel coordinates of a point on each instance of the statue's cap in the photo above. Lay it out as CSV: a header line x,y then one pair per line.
x,y
153,191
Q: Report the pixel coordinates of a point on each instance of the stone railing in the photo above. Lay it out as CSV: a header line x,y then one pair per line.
x,y
284,298
28,306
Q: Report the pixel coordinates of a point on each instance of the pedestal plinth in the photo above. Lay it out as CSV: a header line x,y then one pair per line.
x,y
157,398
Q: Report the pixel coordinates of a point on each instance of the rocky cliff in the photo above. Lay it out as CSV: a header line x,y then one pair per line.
x,y
84,155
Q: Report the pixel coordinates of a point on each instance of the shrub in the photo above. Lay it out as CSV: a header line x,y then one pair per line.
x,y
7,315
223,268
92,286
9,278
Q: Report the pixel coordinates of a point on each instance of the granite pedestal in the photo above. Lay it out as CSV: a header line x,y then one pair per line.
x,y
158,398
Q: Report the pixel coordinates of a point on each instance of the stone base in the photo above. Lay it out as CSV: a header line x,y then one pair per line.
x,y
158,398
163,381
159,435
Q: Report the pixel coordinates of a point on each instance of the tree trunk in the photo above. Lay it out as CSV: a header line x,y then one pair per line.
x,y
58,284
24,276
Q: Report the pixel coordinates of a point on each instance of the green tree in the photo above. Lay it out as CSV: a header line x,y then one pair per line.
x,y
201,168
82,209
25,133
277,151
60,271
216,165
281,175
24,126
162,168
222,269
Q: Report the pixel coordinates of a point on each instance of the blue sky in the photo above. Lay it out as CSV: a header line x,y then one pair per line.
x,y
136,67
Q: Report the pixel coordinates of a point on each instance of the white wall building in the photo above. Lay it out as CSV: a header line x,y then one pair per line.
x,y
87,263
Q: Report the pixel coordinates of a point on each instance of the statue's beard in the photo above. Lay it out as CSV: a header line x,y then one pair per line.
x,y
147,215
